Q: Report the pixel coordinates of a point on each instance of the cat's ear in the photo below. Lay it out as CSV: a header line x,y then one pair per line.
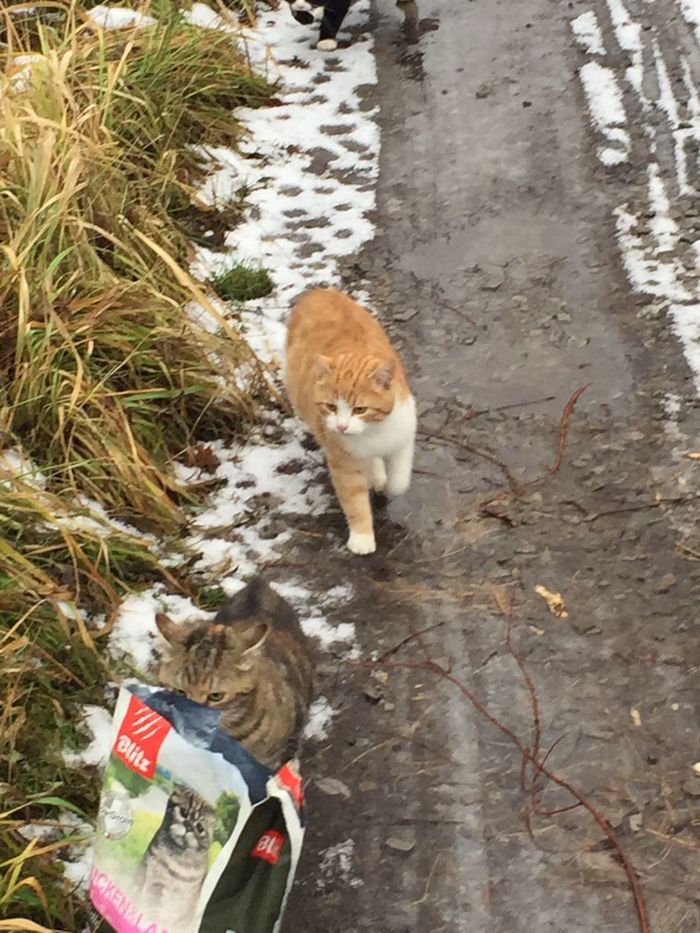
x,y
323,364
171,631
384,374
255,636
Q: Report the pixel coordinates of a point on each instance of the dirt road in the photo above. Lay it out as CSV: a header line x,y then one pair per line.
x,y
496,267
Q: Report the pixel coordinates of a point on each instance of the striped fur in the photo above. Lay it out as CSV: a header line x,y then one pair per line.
x,y
253,663
346,381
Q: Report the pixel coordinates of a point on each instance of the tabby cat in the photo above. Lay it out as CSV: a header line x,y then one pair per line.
x,y
252,662
346,381
175,863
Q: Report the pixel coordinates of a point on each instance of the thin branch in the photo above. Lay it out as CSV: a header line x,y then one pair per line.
x,y
529,756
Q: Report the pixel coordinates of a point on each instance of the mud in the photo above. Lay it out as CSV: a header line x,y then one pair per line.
x,y
496,268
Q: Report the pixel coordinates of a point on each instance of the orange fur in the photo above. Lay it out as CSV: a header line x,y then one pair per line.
x,y
338,353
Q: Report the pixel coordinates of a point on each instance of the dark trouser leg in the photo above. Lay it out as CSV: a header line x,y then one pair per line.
x,y
333,18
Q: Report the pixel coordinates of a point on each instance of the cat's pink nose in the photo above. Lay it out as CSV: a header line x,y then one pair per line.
x,y
342,428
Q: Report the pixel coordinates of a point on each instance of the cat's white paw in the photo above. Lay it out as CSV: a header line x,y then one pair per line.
x,y
327,45
397,487
361,543
399,471
397,483
376,474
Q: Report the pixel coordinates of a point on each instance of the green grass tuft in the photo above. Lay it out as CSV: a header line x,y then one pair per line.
x,y
242,283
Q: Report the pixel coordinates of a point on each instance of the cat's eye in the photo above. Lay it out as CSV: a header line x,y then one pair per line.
x,y
215,697
359,409
180,693
332,408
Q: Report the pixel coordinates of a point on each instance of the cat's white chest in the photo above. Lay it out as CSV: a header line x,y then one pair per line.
x,y
384,438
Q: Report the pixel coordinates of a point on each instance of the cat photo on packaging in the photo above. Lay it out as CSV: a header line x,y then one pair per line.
x,y
346,382
171,872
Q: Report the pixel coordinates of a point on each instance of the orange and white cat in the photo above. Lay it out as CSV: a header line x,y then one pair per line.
x,y
346,381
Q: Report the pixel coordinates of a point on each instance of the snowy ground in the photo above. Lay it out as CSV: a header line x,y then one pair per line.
x,y
641,87
310,165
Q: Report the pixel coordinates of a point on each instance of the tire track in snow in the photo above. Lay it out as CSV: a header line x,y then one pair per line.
x,y
650,83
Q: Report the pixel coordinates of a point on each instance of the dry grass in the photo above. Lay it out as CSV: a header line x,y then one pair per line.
x,y
103,372
104,376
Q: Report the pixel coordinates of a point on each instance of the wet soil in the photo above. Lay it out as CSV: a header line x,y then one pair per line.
x,y
496,269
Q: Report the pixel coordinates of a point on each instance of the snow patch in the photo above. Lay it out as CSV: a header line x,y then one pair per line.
x,y
672,405
310,173
19,467
203,16
628,34
335,866
667,102
607,110
691,13
321,715
115,17
98,722
587,33
686,325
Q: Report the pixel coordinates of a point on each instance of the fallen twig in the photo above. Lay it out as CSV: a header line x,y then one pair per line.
x,y
404,641
503,467
563,435
676,500
518,489
534,401
530,755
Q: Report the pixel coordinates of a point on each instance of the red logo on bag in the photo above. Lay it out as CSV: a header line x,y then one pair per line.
x,y
140,737
269,846
291,781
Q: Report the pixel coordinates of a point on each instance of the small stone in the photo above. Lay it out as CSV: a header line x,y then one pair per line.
x,y
373,692
400,845
333,787
492,277
366,786
692,786
665,583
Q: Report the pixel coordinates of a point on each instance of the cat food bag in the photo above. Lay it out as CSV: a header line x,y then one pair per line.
x,y
193,834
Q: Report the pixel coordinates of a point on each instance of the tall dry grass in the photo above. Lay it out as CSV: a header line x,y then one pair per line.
x,y
104,376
